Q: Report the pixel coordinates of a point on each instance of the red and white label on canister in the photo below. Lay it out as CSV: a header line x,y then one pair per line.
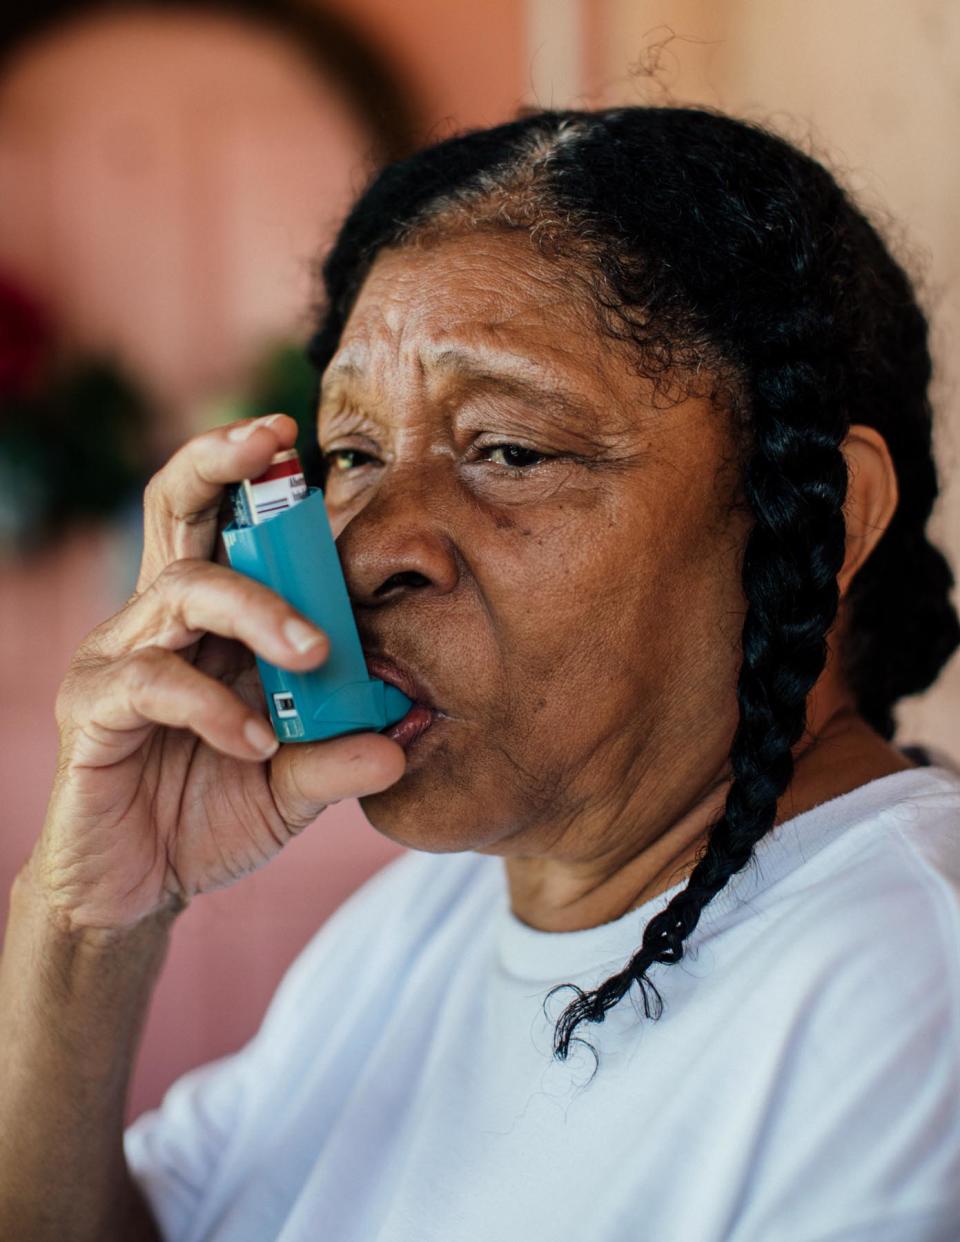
x,y
281,486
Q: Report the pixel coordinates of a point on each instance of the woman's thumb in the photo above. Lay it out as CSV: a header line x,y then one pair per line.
x,y
308,776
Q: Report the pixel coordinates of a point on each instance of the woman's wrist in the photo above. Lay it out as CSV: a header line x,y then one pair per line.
x,y
54,920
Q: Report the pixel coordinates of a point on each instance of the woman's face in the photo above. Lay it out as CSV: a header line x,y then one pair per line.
x,y
577,616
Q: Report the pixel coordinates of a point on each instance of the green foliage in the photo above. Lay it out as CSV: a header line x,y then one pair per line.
x,y
286,382
72,450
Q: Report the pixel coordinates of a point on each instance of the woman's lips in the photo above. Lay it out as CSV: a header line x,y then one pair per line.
x,y
416,722
387,670
420,716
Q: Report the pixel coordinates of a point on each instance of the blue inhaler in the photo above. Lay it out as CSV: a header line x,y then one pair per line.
x,y
281,537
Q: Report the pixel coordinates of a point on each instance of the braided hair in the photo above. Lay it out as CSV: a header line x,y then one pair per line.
x,y
713,247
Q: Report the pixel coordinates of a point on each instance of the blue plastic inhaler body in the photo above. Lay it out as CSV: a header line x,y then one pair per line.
x,y
294,554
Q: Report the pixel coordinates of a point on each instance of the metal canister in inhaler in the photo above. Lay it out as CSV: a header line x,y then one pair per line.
x,y
281,537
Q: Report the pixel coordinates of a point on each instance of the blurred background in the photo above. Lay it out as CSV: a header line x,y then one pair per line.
x,y
169,175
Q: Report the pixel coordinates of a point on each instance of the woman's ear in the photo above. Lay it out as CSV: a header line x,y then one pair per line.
x,y
872,496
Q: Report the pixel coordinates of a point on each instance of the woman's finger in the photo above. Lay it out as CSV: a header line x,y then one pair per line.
x,y
106,717
182,501
194,597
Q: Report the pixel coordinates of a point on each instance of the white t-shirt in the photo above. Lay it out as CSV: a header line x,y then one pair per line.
x,y
802,1084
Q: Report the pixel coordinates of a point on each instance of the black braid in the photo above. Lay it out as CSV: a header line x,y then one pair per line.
x,y
714,248
796,484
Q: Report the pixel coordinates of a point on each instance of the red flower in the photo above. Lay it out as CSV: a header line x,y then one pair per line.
x,y
26,335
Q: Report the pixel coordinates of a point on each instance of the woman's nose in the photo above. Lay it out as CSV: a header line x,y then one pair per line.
x,y
399,537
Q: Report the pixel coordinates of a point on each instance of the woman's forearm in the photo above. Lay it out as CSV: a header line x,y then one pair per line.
x,y
72,1008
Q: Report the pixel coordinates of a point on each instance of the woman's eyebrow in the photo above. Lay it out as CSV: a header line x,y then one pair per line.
x,y
532,388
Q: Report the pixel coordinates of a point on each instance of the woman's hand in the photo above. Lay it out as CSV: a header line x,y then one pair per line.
x,y
169,780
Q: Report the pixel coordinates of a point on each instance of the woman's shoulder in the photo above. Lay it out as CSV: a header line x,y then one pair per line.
x,y
901,855
850,911
860,1004
927,829
896,837
870,919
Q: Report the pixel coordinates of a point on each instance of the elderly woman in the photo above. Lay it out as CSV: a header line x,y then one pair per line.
x,y
625,437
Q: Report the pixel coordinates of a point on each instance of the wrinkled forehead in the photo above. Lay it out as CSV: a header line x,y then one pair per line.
x,y
472,306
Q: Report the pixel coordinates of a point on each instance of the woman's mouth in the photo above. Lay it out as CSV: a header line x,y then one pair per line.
x,y
415,723
421,715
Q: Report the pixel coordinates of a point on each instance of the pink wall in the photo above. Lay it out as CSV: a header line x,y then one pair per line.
x,y
168,198
466,61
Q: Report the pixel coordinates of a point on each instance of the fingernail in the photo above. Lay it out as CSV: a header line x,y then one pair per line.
x,y
300,636
260,736
241,433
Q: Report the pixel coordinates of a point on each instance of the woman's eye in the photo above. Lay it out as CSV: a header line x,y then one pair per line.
x,y
330,456
510,452
513,454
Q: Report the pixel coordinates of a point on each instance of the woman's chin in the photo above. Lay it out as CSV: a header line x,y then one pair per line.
x,y
437,821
